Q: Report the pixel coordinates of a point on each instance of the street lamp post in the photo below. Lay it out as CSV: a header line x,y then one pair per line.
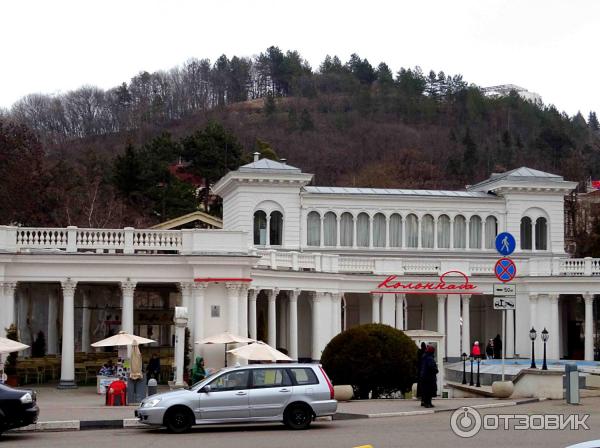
x,y
478,384
545,337
471,359
464,360
532,336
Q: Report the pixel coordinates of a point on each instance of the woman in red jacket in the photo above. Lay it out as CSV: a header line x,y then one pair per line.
x,y
476,351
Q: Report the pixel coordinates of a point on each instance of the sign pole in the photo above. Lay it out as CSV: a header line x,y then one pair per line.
x,y
503,341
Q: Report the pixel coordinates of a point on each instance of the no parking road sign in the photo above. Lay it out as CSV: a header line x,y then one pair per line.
x,y
505,269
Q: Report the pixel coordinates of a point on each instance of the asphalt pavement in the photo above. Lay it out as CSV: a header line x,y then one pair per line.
x,y
427,430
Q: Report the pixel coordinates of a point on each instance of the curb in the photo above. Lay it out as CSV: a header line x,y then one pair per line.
x,y
133,423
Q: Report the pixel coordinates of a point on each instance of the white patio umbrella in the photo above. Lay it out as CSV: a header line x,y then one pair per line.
x,y
259,351
120,339
10,346
225,338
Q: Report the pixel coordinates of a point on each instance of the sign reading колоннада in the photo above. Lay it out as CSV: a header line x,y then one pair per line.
x,y
451,282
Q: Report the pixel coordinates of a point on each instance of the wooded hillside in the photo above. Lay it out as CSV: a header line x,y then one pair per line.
x,y
64,158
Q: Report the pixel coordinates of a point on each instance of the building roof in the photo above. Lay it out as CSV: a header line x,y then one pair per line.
x,y
522,176
268,165
209,220
397,192
526,173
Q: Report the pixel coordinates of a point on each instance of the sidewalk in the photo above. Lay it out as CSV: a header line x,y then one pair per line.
x,y
82,408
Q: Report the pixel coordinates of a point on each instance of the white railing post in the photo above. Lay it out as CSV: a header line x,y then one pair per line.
x,y
587,270
273,259
187,241
295,261
335,263
318,262
555,266
71,238
8,238
128,249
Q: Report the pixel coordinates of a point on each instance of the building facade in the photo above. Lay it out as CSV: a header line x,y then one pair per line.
x,y
296,264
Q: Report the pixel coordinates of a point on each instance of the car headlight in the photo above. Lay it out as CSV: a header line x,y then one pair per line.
x,y
150,403
26,398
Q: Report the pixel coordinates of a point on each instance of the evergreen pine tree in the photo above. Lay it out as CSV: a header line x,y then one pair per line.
x,y
593,121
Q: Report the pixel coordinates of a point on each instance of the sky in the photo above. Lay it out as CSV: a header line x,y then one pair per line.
x,y
546,46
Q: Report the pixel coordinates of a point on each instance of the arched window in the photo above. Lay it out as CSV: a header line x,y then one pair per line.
x,y
526,233
276,228
313,229
541,234
362,230
330,229
412,231
427,229
460,232
379,230
260,228
346,229
475,232
443,232
491,230
395,230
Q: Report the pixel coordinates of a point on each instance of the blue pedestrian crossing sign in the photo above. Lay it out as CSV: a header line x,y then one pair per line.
x,y
505,243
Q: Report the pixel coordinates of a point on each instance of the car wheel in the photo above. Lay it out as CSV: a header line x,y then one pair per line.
x,y
297,416
178,420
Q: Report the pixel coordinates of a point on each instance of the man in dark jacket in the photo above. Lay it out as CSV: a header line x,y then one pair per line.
x,y
428,375
497,347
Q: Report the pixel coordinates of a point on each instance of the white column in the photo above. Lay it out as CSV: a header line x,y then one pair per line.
x,y
272,315
317,331
293,315
466,327
338,227
198,293
85,322
67,362
336,314
354,226
127,289
268,232
388,309
510,333
589,326
468,237
453,330
321,237
7,311
232,307
252,312
435,233
452,233
52,320
554,336
399,311
387,231
419,242
243,311
370,232
441,314
181,321
375,299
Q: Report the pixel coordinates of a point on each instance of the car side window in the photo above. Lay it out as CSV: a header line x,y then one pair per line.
x,y
235,380
303,376
270,378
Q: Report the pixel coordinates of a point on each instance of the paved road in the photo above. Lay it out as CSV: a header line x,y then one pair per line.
x,y
414,431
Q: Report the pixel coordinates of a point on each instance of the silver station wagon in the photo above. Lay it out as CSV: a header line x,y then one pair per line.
x,y
294,394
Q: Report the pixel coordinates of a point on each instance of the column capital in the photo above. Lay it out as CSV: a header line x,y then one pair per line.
x,y
336,296
588,297
253,294
553,298
294,294
441,297
68,286
465,297
533,297
199,286
8,287
128,286
185,287
232,286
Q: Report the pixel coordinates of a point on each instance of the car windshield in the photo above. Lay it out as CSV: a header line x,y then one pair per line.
x,y
202,382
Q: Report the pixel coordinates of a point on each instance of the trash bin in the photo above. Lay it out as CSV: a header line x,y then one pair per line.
x,y
152,387
572,383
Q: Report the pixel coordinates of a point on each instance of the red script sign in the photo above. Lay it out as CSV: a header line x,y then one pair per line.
x,y
460,285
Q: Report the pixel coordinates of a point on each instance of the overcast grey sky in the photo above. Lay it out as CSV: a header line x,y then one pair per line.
x,y
547,46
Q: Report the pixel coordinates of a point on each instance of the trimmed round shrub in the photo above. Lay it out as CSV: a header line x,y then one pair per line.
x,y
374,359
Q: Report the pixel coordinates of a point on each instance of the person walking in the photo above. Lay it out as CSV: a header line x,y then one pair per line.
x,y
429,371
476,350
420,353
489,349
198,372
153,368
497,347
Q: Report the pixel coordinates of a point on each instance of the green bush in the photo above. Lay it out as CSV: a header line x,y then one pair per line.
x,y
372,358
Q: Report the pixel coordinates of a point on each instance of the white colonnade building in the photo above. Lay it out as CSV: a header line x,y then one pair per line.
x,y
297,264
